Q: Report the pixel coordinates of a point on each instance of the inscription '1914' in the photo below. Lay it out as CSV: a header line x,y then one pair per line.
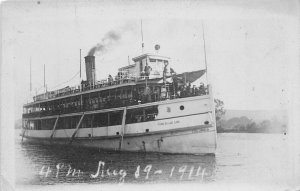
x,y
182,172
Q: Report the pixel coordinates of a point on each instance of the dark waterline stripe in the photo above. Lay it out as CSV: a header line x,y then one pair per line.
x,y
134,135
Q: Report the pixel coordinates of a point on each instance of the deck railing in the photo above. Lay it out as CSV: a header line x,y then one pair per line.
x,y
85,87
117,102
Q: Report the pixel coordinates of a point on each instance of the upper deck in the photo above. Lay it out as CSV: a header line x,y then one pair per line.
x,y
127,75
118,94
147,80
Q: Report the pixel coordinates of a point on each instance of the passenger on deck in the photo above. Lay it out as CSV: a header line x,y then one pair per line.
x,y
188,88
197,91
147,94
110,79
194,90
175,84
165,71
202,89
147,70
183,91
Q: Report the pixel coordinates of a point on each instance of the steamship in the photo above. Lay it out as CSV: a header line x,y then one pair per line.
x,y
146,107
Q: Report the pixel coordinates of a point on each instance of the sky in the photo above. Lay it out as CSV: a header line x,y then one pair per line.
x,y
251,46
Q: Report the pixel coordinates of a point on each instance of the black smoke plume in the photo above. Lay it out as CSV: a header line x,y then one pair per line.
x,y
110,38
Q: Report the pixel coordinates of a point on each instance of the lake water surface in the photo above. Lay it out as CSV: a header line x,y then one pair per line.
x,y
240,158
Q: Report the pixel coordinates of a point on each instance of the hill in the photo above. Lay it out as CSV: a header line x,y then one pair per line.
x,y
258,121
258,115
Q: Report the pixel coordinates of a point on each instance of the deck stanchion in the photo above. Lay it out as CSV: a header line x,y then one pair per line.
x,y
123,127
76,130
54,128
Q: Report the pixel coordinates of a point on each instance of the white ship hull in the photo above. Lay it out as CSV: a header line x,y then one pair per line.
x,y
190,130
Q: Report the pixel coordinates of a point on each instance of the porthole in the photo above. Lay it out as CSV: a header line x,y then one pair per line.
x,y
206,122
117,133
181,107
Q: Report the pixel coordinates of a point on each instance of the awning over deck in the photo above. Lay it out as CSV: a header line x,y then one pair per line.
x,y
192,77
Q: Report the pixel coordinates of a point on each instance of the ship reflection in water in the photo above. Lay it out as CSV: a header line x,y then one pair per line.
x,y
240,158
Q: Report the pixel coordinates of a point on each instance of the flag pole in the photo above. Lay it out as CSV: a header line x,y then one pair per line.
x,y
80,63
30,78
142,36
45,78
205,60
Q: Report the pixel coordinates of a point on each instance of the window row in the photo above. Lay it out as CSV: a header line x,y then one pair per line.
x,y
95,120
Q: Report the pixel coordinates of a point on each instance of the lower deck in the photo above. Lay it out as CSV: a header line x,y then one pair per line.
x,y
191,140
190,120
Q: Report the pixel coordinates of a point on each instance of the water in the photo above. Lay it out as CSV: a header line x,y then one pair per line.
x,y
240,158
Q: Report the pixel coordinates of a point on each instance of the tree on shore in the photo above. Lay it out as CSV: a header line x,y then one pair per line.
x,y
220,112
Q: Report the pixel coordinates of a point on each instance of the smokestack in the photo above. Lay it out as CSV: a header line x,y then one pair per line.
x,y
90,69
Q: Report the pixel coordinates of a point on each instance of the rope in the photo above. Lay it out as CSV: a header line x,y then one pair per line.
x,y
66,81
38,89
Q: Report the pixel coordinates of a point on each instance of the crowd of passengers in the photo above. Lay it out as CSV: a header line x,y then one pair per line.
x,y
174,91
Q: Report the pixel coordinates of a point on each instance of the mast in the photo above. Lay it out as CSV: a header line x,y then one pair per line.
x,y
45,78
204,53
80,64
30,77
142,36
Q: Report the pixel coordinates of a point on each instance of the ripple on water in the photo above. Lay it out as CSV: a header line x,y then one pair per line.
x,y
239,158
